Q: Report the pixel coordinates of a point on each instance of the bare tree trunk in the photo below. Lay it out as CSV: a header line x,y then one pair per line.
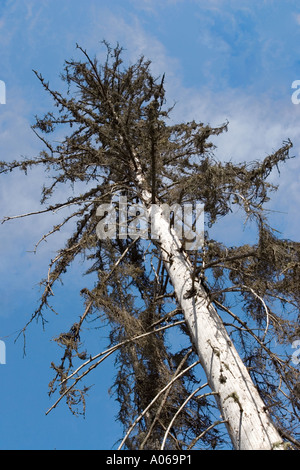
x,y
248,422
247,419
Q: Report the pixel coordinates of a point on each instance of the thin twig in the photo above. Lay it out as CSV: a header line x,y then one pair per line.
x,y
153,401
105,353
216,423
164,399
250,331
120,259
264,305
179,411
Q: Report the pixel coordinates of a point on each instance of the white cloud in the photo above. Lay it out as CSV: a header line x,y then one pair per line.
x,y
297,18
130,34
256,126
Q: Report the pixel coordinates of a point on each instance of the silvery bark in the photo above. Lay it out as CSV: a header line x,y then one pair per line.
x,y
248,422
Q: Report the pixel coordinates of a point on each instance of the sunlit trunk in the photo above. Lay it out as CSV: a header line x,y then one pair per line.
x,y
247,420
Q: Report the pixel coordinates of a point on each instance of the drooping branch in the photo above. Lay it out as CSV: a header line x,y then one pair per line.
x,y
180,409
103,355
154,400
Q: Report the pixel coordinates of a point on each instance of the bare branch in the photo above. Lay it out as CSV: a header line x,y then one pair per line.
x,y
161,406
154,400
106,354
216,423
179,411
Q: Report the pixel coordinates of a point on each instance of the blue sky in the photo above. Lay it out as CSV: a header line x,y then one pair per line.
x,y
230,59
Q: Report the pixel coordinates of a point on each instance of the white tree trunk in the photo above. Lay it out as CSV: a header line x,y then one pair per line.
x,y
248,423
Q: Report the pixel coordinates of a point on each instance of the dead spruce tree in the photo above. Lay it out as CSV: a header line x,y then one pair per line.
x,y
235,306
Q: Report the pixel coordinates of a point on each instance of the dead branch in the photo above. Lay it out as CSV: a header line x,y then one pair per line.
x,y
153,401
106,354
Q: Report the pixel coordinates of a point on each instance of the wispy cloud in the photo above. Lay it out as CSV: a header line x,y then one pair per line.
x,y
257,123
297,18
